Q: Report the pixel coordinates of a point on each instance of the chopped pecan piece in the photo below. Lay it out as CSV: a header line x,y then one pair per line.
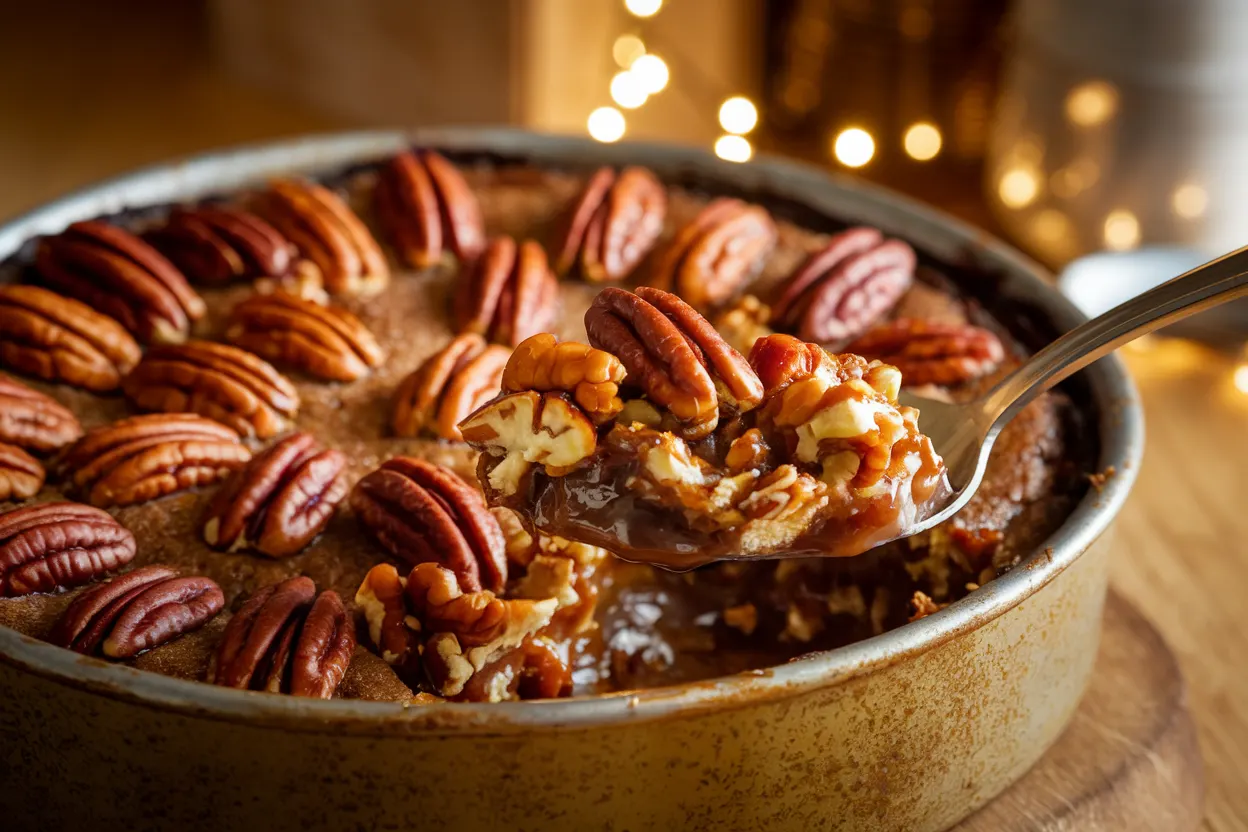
x,y
420,512
232,386
323,341
714,256
744,322
928,352
845,287
280,501
461,632
612,225
509,294
33,421
220,243
137,611
452,383
328,234
111,270
286,639
145,457
519,430
592,376
674,355
426,209
55,338
923,606
21,475
55,546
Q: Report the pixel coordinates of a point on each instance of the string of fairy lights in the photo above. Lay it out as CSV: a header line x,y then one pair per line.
x,y
643,74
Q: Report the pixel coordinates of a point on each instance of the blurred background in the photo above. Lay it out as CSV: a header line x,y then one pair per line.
x,y
1106,128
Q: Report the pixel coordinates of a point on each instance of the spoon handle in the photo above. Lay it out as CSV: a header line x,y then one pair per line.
x,y
1214,283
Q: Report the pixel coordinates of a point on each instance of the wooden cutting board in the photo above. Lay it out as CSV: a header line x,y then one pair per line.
x,y
1128,761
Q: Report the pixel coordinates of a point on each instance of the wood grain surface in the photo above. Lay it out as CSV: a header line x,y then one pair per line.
x,y
153,94
1128,761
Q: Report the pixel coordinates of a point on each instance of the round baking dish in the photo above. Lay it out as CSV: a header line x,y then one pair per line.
x,y
910,730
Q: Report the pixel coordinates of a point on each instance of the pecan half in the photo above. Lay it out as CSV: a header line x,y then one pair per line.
x,y
137,611
519,430
286,639
328,234
713,256
426,208
510,293
232,386
219,244
930,352
55,546
420,512
21,475
55,338
111,270
323,341
592,376
279,501
845,287
674,355
145,457
452,383
33,421
613,224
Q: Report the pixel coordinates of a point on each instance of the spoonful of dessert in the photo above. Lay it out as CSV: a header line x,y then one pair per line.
x,y
662,444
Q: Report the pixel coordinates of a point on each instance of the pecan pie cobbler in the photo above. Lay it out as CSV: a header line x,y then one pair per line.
x,y
373,436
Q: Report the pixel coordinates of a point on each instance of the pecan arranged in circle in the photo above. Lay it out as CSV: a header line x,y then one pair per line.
x,y
232,386
137,611
931,352
55,338
713,256
323,341
592,376
426,209
328,234
33,421
286,639
21,475
455,632
845,287
145,457
279,501
55,546
452,383
613,224
111,270
519,430
509,294
674,356
420,512
219,244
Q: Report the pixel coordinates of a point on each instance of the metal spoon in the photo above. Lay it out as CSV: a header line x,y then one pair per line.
x,y
963,433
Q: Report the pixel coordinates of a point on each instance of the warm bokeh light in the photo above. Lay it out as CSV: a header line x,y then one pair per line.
x,y
626,49
651,72
922,141
1189,201
1092,103
1122,230
1051,226
1075,178
627,91
643,8
1018,188
733,148
606,124
1240,377
853,147
738,115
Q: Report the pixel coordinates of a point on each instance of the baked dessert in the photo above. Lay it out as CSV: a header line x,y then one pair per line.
x,y
231,446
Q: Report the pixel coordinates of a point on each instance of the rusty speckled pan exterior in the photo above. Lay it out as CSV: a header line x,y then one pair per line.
x,y
910,730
